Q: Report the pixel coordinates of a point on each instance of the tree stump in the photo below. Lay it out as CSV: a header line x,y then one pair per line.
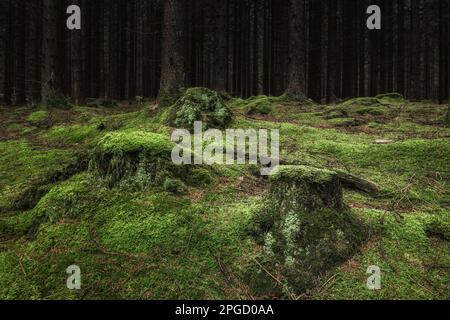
x,y
305,226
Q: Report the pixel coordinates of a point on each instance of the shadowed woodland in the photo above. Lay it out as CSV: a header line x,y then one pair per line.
x,y
87,178
245,48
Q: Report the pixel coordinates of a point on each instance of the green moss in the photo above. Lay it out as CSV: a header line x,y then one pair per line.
x,y
365,101
336,113
40,119
200,177
200,104
306,227
302,174
38,116
25,171
439,225
135,141
391,99
289,97
144,158
71,134
174,186
144,243
370,111
412,264
260,105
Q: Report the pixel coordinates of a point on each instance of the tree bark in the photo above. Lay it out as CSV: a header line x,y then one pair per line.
x,y
49,81
296,64
332,51
172,64
315,51
221,46
443,52
76,65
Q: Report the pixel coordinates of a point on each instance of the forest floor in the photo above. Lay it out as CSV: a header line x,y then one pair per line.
x,y
54,211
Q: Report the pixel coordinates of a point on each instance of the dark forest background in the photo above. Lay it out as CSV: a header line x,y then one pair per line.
x,y
243,47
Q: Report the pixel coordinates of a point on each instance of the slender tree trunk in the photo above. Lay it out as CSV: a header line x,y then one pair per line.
x,y
443,51
49,76
315,51
296,63
20,37
76,64
221,46
172,64
401,47
332,51
9,53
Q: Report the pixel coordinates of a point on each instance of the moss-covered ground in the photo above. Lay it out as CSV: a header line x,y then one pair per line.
x,y
158,243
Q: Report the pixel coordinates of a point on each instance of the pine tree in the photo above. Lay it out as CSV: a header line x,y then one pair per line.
x,y
172,55
296,64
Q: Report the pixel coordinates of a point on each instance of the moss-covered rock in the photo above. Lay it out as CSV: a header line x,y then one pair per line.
x,y
200,104
305,226
141,157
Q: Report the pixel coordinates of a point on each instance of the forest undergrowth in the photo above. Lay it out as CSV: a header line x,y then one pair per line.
x,y
187,238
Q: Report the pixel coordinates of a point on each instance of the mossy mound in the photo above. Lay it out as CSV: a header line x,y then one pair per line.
x,y
384,99
200,104
305,226
373,111
175,186
336,113
73,134
40,119
260,105
143,158
298,98
365,101
390,98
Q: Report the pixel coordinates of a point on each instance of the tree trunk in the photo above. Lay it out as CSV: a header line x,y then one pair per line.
x,y
49,83
443,52
315,51
332,51
221,46
76,65
401,47
172,64
296,64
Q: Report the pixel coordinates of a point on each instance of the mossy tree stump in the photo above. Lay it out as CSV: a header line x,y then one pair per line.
x,y
200,104
142,158
305,227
